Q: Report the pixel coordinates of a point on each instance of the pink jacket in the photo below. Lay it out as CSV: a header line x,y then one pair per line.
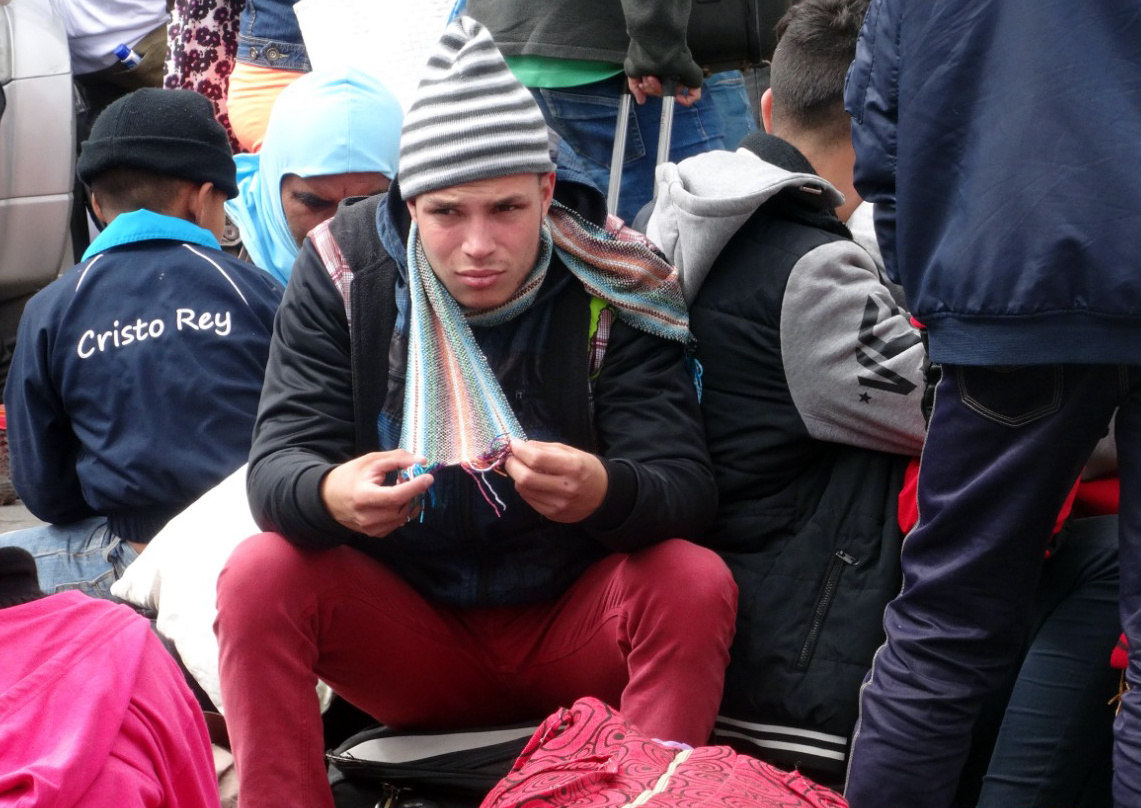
x,y
94,712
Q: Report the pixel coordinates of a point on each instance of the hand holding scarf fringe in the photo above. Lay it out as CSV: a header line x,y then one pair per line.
x,y
455,412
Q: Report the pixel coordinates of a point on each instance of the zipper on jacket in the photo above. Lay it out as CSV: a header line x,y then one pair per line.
x,y
840,560
468,532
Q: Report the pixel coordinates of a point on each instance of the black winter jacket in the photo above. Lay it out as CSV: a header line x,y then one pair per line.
x,y
807,526
327,385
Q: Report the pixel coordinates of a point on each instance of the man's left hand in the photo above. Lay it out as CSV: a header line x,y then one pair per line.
x,y
562,483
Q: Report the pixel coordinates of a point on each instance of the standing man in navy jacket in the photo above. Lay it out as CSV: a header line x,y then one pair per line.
x,y
999,142
137,374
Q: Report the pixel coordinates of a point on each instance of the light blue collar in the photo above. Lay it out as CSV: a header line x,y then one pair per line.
x,y
144,225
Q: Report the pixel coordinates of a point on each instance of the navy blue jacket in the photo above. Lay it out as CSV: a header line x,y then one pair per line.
x,y
136,376
1000,140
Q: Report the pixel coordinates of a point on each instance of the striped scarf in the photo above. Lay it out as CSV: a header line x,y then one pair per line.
x,y
455,412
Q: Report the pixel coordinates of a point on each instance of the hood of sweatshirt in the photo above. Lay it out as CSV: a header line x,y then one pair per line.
x,y
703,201
67,673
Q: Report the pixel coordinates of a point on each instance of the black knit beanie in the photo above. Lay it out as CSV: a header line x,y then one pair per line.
x,y
170,132
18,580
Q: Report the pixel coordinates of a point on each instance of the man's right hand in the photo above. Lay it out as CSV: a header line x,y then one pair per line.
x,y
641,87
356,495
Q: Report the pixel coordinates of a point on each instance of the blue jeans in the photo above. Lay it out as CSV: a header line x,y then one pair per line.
x,y
728,93
270,36
586,117
83,555
1054,747
1004,447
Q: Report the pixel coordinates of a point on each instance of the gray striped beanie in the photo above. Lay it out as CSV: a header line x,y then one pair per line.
x,y
471,120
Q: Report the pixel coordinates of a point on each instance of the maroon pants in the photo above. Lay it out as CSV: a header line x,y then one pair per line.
x,y
648,632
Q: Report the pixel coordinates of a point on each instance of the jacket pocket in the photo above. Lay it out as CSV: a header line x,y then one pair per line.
x,y
840,561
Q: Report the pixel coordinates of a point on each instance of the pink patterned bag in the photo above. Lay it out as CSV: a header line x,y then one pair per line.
x,y
588,756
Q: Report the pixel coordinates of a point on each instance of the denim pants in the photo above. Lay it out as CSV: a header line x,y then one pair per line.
x,y
585,117
270,36
1054,746
729,94
1004,447
83,555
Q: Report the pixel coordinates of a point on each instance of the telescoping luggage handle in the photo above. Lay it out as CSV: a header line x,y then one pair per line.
x,y
618,155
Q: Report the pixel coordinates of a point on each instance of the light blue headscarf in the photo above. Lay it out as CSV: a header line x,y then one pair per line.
x,y
326,122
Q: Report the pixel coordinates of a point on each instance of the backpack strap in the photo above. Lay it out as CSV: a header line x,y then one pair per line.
x,y
365,274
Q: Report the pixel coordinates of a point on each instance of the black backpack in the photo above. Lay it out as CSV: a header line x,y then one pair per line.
x,y
389,768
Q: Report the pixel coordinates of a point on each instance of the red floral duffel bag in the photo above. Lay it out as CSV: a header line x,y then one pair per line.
x,y
588,756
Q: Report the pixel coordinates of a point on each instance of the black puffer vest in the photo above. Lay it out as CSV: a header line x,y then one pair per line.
x,y
808,527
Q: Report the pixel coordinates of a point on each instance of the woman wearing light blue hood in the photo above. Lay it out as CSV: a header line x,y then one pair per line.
x,y
331,135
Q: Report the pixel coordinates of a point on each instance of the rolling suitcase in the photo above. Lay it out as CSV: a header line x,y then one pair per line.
x,y
617,156
722,35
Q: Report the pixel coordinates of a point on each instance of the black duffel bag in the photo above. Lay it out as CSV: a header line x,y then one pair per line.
x,y
390,768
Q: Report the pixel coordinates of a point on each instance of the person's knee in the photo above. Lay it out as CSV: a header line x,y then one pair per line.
x,y
31,539
694,578
84,537
72,556
259,570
